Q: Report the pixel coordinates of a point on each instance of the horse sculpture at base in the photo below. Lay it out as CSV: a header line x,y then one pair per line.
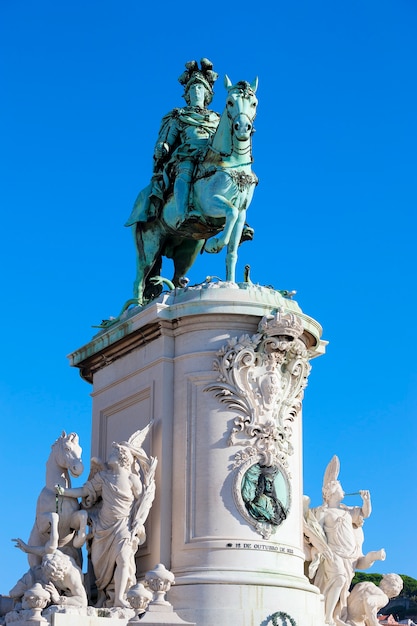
x,y
59,521
223,186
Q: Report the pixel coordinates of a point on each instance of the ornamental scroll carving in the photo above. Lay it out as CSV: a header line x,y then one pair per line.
x,y
261,378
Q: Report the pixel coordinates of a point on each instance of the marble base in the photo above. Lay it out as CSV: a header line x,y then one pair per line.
x,y
163,615
157,363
251,604
156,614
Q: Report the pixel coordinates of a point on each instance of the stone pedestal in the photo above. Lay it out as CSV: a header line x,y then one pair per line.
x,y
220,369
162,615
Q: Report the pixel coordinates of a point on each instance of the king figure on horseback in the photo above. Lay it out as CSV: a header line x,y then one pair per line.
x,y
181,145
202,183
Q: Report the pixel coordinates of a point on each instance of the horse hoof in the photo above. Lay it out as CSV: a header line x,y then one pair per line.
x,y
213,245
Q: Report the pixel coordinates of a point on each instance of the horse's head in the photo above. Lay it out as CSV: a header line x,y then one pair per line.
x,y
68,453
241,107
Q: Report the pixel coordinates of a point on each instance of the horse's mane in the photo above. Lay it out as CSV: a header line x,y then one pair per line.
x,y
221,142
65,437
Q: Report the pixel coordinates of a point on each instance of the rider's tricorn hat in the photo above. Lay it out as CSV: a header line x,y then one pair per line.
x,y
194,74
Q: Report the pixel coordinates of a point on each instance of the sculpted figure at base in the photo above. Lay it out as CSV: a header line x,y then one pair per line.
x,y
34,576
59,576
122,506
58,573
366,599
202,183
334,537
66,531
65,580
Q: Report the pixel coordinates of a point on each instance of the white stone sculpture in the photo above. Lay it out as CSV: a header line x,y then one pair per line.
x,y
366,599
138,597
65,580
159,611
59,575
118,520
262,379
159,580
34,600
30,578
334,539
59,522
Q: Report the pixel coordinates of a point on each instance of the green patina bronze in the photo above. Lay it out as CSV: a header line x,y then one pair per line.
x,y
201,186
260,496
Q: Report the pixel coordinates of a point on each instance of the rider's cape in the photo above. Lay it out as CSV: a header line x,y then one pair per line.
x,y
142,211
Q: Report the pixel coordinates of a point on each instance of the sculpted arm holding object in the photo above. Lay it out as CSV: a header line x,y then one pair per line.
x,y
117,526
341,528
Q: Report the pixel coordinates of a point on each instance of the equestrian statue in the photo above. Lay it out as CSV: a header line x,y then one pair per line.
x,y
202,183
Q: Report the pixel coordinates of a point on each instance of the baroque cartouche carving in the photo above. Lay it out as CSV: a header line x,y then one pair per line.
x,y
261,378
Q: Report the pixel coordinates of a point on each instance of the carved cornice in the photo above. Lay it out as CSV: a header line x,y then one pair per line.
x,y
110,351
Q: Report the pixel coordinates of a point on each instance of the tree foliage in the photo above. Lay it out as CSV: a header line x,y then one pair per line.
x,y
410,584
361,577
410,587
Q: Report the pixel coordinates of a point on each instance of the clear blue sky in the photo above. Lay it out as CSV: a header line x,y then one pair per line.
x,y
84,87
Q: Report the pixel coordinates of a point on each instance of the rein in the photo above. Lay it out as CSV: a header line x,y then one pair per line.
x,y
242,180
232,119
223,154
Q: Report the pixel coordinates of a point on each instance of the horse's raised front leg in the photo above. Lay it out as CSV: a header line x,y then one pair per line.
x,y
78,522
220,203
45,529
231,256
